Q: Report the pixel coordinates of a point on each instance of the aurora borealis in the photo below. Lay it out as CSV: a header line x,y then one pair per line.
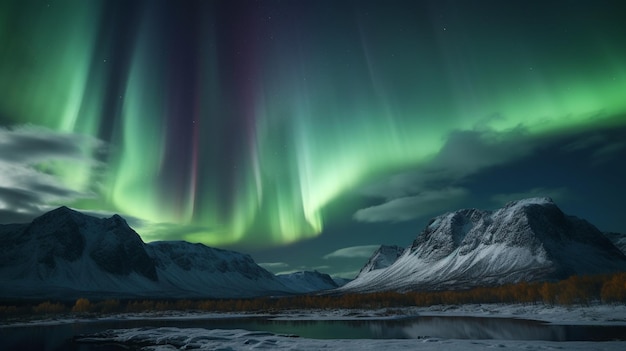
x,y
258,123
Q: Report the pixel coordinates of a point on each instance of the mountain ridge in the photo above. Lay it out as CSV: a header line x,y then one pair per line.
x,y
308,281
65,253
383,257
529,239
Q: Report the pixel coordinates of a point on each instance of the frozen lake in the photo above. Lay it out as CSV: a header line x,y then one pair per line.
x,y
134,332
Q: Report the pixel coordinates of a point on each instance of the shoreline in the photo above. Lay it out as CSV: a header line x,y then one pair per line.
x,y
594,314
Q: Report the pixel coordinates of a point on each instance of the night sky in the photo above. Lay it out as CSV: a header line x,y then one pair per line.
x,y
307,132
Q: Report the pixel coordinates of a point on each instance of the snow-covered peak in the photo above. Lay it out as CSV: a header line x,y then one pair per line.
x,y
62,211
530,201
58,217
383,257
530,239
117,220
518,223
187,256
67,254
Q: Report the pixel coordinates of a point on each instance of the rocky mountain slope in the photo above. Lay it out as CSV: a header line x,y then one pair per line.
x,y
527,240
383,257
618,239
67,254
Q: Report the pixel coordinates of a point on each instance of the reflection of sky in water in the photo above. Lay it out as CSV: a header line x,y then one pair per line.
x,y
59,337
474,328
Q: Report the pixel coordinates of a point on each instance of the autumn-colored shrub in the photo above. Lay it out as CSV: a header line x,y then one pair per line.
x,y
547,291
614,290
49,308
82,305
9,311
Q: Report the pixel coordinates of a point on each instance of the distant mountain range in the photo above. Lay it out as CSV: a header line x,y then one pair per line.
x,y
304,282
527,240
65,254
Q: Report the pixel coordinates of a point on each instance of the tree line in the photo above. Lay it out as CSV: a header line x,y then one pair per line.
x,y
575,290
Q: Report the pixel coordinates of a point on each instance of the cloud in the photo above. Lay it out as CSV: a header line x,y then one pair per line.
x,y
33,163
463,154
557,194
278,268
22,205
607,152
288,271
134,222
585,143
467,152
152,231
434,187
273,265
411,207
364,251
31,144
601,147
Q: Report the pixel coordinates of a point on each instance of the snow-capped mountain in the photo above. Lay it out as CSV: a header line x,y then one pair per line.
x,y
383,257
305,282
205,271
526,240
65,253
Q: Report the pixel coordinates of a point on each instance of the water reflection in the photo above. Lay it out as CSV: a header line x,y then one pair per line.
x,y
419,327
60,337
483,328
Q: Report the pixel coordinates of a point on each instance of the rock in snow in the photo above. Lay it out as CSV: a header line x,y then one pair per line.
x,y
527,240
67,254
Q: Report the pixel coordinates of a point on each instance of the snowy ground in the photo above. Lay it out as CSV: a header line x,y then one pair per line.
x,y
575,315
169,338
596,314
165,339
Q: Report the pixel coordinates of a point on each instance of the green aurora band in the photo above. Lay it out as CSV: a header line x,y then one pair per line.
x,y
245,122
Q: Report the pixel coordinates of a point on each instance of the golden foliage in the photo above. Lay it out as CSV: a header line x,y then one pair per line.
x,y
82,305
49,308
614,290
